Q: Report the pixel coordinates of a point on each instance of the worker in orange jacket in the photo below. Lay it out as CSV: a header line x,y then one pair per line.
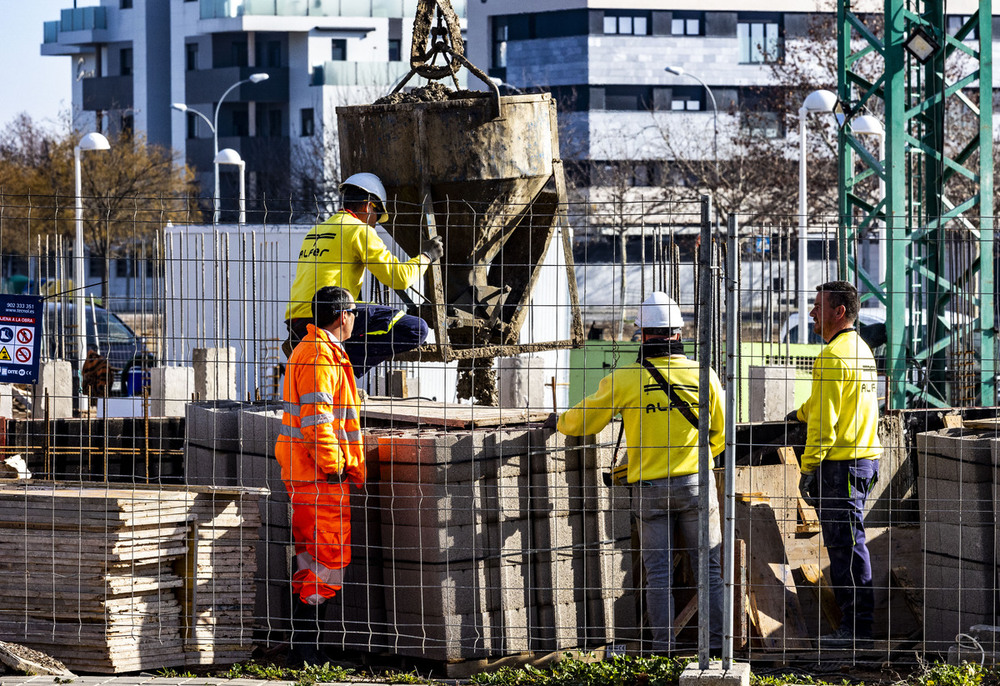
x,y
320,451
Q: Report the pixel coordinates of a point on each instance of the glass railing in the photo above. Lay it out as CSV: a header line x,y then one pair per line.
x,y
51,32
379,75
214,9
83,19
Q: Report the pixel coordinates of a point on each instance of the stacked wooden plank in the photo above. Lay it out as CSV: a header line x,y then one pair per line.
x,y
94,576
958,477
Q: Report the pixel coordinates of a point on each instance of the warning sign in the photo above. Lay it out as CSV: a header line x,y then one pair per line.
x,y
20,338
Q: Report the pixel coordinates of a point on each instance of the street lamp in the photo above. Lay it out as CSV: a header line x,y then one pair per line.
x,y
230,156
92,141
817,101
679,71
214,126
867,125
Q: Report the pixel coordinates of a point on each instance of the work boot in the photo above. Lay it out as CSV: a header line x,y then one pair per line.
x,y
845,639
304,642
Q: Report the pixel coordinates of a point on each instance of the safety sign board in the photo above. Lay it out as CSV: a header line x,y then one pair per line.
x,y
20,338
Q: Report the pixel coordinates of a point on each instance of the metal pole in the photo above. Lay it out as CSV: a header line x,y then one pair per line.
x,y
78,277
803,228
243,193
704,425
729,506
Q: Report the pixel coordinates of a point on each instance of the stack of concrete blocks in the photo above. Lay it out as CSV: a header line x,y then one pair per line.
x,y
581,530
231,444
957,482
772,389
502,541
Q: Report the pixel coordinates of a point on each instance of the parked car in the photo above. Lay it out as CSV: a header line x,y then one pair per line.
x,y
107,334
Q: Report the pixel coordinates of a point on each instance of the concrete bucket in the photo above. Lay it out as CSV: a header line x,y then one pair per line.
x,y
491,186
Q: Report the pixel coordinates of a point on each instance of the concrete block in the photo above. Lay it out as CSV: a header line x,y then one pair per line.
x,y
968,541
430,447
440,590
120,407
961,447
214,424
561,577
207,467
957,593
941,626
522,382
170,390
55,379
738,674
561,627
556,493
214,373
452,637
6,400
512,634
504,443
772,388
259,427
450,543
559,533
257,471
957,502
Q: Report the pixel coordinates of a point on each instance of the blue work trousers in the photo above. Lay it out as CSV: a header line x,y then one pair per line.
x,y
380,333
844,486
664,508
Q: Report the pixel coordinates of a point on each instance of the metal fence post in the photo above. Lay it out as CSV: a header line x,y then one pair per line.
x,y
704,423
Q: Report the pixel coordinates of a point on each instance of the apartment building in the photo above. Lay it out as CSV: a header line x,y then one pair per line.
x,y
133,59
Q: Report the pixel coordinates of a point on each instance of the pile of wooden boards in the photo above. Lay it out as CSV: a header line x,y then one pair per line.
x,y
112,579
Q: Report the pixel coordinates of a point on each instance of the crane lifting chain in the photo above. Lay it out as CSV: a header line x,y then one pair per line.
x,y
444,39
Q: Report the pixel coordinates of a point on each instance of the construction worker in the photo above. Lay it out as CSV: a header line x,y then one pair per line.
x,y
840,459
336,253
657,397
320,451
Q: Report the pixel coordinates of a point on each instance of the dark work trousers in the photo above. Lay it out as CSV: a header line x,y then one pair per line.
x,y
844,487
379,333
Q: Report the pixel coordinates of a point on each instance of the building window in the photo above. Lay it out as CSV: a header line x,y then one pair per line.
x,y
338,49
308,126
687,24
395,50
192,125
955,22
241,123
191,56
501,34
239,52
626,23
271,56
687,99
126,4
759,41
125,61
273,121
763,124
628,98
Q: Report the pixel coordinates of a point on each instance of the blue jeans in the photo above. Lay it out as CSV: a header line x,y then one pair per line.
x,y
663,508
380,333
844,486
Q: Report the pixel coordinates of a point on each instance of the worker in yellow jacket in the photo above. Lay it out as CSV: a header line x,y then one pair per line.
x,y
336,253
658,399
321,452
840,459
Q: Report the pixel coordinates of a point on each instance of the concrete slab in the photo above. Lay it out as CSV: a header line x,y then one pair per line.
x,y
170,390
737,675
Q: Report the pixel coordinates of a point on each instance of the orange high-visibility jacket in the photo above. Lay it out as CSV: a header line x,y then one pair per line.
x,y
320,432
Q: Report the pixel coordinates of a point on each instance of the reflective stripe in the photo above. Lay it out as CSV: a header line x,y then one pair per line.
x,y
333,577
291,432
392,322
345,413
292,408
317,397
349,436
314,420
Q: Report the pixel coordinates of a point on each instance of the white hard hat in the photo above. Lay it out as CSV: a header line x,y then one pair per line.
x,y
659,312
372,185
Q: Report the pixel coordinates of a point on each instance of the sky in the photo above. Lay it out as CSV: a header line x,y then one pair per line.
x,y
40,86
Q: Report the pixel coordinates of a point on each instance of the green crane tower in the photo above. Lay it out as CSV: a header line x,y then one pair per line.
x,y
934,220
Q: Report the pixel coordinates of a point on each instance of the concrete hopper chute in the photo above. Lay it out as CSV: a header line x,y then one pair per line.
x,y
492,187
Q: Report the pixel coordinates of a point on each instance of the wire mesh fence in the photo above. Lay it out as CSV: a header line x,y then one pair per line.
x,y
156,528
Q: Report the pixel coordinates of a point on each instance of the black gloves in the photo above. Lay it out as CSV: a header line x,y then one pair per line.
x,y
551,421
809,487
434,248
792,416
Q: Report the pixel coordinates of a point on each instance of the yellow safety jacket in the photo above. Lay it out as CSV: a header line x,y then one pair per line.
x,y
661,441
336,253
842,410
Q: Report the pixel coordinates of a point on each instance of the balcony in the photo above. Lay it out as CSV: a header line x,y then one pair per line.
x,y
229,9
259,152
375,74
107,93
76,26
207,85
